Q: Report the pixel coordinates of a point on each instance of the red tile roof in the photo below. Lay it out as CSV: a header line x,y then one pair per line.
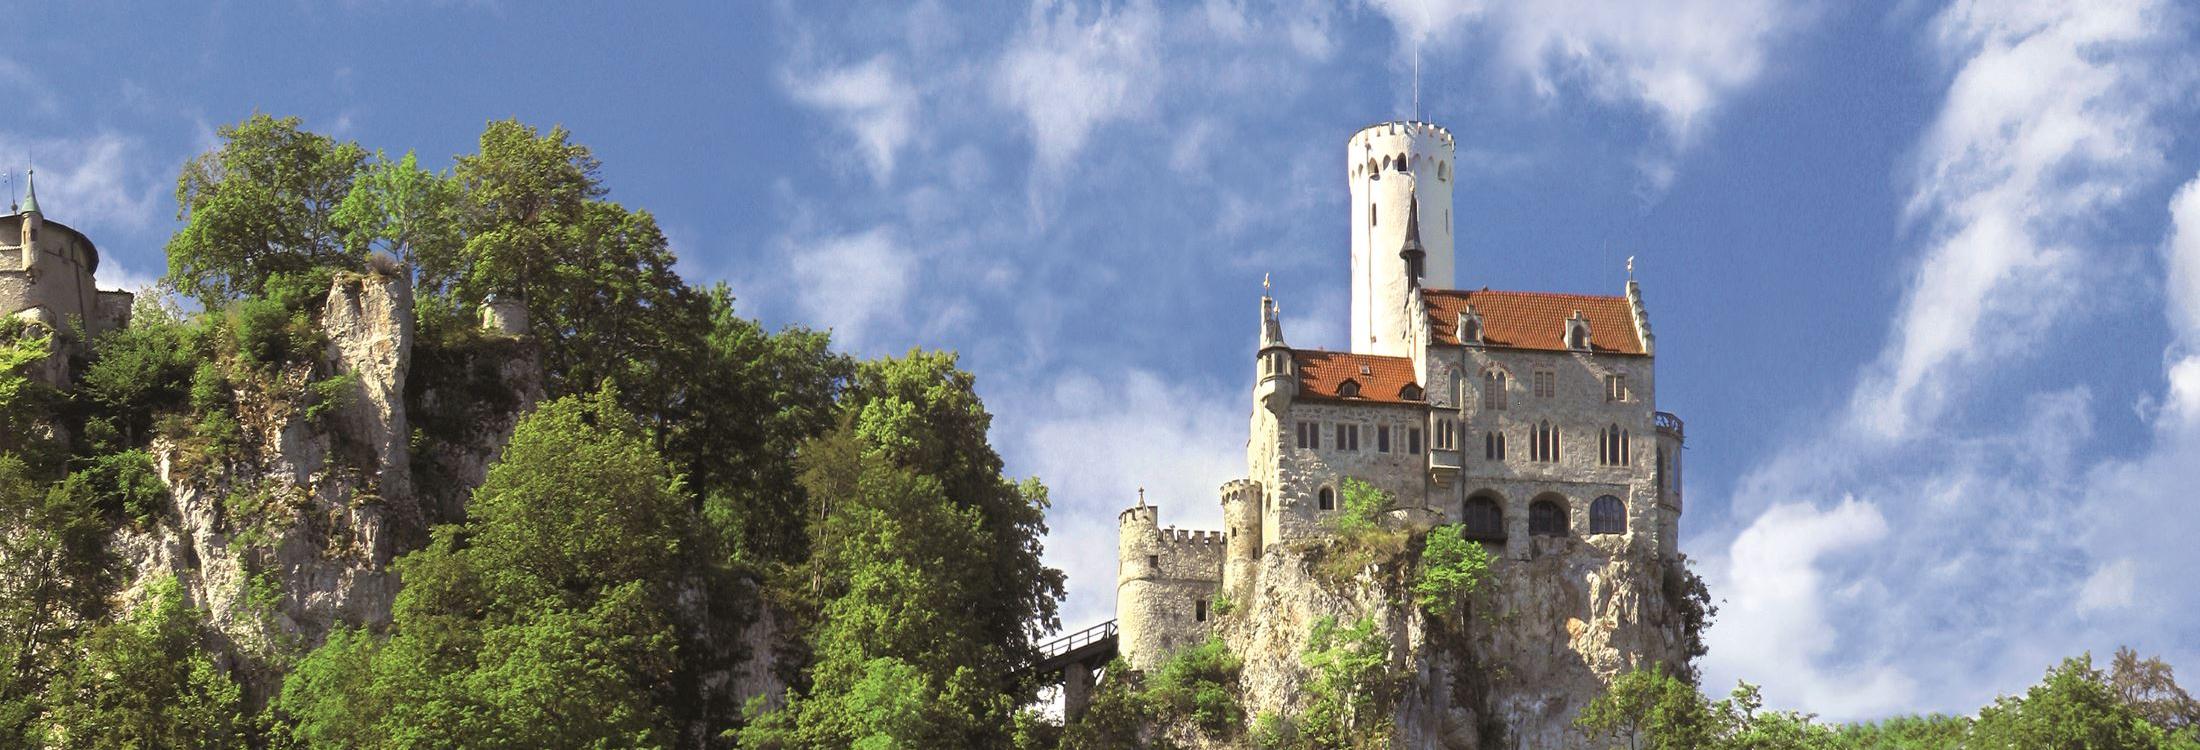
x,y
1534,320
1381,379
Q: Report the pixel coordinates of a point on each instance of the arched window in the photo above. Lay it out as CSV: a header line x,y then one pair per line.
x,y
1493,389
1547,516
1493,445
1328,499
1578,338
1484,517
1402,164
1543,443
1612,447
1607,515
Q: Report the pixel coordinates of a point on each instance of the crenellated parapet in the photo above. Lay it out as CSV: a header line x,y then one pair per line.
x,y
1166,582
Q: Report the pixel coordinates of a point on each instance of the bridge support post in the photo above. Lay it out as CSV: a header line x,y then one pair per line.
x,y
1076,690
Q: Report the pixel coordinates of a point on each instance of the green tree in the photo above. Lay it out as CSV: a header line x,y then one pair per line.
x,y
1452,568
258,207
2074,706
395,207
146,682
544,620
1352,688
1647,709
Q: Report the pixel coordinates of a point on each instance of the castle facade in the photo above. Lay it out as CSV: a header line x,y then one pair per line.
x,y
1528,417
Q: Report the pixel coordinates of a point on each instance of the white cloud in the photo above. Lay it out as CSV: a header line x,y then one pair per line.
x,y
1677,59
874,101
2008,542
853,284
1774,620
2053,115
103,180
1068,76
2109,588
1095,442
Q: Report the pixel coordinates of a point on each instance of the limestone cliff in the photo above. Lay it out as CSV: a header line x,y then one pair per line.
x,y
1526,654
288,531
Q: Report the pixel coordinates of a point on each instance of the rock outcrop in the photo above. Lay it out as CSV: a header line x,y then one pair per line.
x,y
289,532
1510,671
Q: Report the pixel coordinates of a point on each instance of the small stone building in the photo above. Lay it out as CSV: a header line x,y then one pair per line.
x,y
46,279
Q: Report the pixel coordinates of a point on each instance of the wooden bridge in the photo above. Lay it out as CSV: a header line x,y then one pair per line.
x,y
1073,659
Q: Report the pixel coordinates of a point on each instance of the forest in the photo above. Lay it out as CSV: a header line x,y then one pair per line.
x,y
685,474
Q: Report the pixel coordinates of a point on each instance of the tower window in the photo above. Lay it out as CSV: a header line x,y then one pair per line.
x,y
1199,611
1153,561
1547,516
1493,445
1382,439
1607,516
1493,390
1615,387
1327,500
1413,440
1546,384
1543,443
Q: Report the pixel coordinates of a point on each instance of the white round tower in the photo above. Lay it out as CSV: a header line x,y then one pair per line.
x,y
1391,167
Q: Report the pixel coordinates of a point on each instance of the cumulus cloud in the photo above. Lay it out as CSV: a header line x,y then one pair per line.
x,y
872,100
2008,542
89,182
2053,116
1095,440
1776,602
1067,75
853,284
1676,59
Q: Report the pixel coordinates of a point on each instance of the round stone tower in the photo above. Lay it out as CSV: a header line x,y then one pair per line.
x,y
1241,535
1138,590
1394,168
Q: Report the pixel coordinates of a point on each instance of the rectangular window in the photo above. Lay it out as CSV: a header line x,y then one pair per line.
x,y
1310,435
1348,437
1354,435
1546,384
1382,439
1153,561
1445,437
1413,440
1199,613
1615,388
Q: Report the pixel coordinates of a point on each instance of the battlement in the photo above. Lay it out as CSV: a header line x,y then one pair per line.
x,y
1141,514
1401,128
1174,536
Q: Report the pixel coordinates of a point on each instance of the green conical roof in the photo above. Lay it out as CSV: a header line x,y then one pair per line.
x,y
30,192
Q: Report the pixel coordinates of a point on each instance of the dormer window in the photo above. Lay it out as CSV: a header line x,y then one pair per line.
x,y
1577,332
1348,389
1470,327
1410,392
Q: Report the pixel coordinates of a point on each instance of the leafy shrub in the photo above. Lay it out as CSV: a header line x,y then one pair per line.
x,y
1452,568
140,371
1352,688
1357,538
330,395
122,485
1200,682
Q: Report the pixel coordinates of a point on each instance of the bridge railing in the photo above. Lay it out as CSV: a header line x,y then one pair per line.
x,y
1077,640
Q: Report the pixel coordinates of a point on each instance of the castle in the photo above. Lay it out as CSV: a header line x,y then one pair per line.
x,y
1528,417
46,272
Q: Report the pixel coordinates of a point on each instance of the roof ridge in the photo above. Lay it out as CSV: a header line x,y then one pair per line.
x,y
1464,292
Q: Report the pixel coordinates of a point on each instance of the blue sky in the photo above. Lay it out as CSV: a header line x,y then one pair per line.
x,y
1926,277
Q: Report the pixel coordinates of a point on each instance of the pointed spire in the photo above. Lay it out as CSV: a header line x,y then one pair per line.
x,y
1271,319
30,192
1412,251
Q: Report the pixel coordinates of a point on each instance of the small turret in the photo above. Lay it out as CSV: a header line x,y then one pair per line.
x,y
1241,535
32,220
1278,373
